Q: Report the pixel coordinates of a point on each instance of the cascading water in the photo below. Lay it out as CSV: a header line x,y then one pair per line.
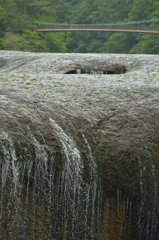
x,y
42,201
94,189
71,186
92,174
83,71
22,182
77,197
44,196
148,208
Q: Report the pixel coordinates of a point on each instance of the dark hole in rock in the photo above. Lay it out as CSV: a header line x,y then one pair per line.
x,y
116,70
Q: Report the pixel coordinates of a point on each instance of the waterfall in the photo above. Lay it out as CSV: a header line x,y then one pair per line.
x,y
94,187
59,195
22,180
44,196
71,185
78,196
148,208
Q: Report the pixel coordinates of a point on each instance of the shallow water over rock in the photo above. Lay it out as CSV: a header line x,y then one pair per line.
x,y
79,153
113,70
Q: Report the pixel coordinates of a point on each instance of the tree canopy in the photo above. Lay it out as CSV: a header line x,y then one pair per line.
x,y
18,33
112,11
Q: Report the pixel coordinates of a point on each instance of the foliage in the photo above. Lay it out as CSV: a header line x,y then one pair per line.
x,y
55,42
28,41
112,11
3,21
18,33
147,44
119,43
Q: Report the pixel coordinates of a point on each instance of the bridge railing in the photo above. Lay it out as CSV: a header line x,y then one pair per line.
x,y
96,26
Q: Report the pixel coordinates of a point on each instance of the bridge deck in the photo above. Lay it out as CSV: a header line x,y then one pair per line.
x,y
96,30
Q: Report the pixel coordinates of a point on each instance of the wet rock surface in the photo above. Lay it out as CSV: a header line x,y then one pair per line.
x,y
118,113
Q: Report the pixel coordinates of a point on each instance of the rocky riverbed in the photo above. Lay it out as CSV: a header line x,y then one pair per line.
x,y
118,113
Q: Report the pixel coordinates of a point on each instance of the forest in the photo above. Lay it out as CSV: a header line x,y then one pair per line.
x,y
17,31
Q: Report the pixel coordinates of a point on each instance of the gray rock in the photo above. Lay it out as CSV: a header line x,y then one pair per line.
x,y
117,113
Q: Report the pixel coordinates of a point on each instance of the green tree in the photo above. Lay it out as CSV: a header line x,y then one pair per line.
x,y
3,21
96,12
147,44
142,9
119,43
17,31
20,32
33,42
55,42
28,41
145,9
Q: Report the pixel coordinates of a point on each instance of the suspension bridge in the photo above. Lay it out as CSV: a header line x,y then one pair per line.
x,y
131,27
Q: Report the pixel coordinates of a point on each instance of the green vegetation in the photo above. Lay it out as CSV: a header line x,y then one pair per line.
x,y
112,11
18,33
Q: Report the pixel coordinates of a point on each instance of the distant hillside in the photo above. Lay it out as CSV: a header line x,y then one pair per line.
x,y
18,33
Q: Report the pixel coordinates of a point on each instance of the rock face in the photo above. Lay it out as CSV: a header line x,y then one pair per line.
x,y
79,154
